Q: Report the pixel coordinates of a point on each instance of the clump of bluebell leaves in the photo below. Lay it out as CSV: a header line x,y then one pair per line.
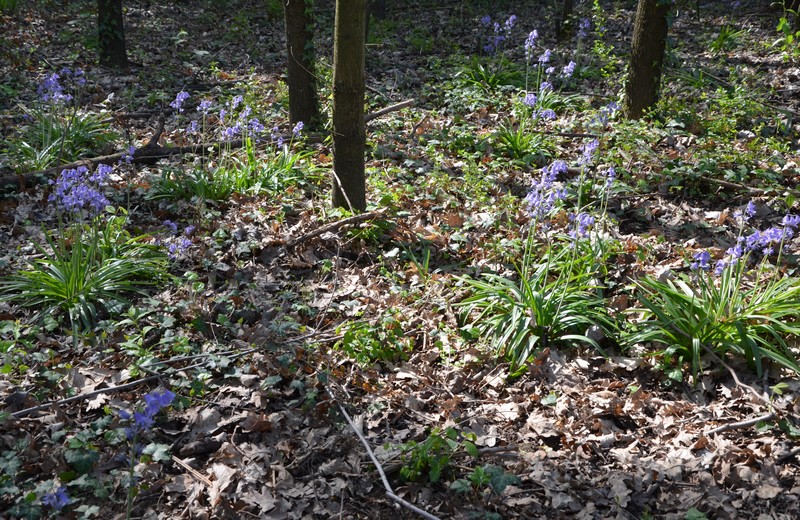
x,y
56,128
554,297
234,169
139,422
743,306
91,263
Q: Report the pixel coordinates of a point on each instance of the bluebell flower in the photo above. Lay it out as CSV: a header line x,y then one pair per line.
x,y
142,420
179,99
155,401
589,150
235,102
530,43
192,128
545,86
204,106
245,113
57,500
75,191
189,230
543,194
583,27
549,70
611,174
547,113
486,20
297,129
510,22
545,56
256,127
791,221
750,211
171,226
702,260
222,114
720,266
735,252
568,69
530,99
583,221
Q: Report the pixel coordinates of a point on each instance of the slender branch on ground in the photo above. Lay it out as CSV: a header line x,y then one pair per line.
x,y
333,226
386,485
740,424
391,108
81,397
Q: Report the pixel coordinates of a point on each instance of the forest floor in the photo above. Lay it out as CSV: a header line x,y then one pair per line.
x,y
274,323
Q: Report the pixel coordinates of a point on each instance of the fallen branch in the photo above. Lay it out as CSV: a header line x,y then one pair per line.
x,y
81,397
391,108
740,424
386,485
333,226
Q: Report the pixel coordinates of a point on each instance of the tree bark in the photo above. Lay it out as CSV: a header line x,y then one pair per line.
x,y
647,56
111,34
303,104
349,189
562,21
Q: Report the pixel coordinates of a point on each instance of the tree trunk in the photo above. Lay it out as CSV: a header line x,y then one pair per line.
x,y
647,56
303,104
562,21
111,34
349,190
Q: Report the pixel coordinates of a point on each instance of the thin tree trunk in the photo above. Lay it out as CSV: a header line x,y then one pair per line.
x,y
647,56
562,21
349,190
303,104
111,34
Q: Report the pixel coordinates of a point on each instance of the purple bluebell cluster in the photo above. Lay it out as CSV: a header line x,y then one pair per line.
x,y
701,261
77,190
611,175
604,114
57,500
298,128
500,32
588,151
583,28
143,418
582,222
179,100
52,89
178,242
759,243
530,44
568,70
544,194
204,106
